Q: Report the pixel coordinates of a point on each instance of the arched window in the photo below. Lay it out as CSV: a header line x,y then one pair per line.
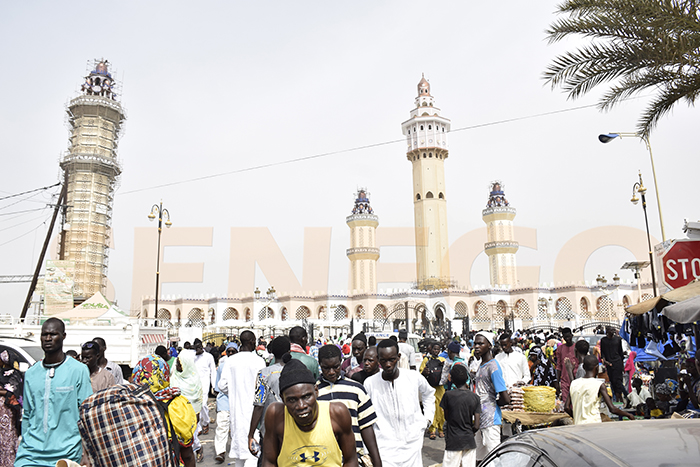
x,y
418,197
322,312
284,314
230,313
542,306
360,312
563,309
429,195
626,301
379,312
461,310
441,196
163,314
247,314
604,308
500,312
302,313
522,309
584,308
481,312
212,316
266,313
340,313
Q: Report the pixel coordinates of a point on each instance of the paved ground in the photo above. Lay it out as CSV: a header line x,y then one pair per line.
x,y
432,450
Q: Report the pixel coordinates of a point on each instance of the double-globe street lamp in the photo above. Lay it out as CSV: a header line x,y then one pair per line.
x,y
611,136
639,187
159,211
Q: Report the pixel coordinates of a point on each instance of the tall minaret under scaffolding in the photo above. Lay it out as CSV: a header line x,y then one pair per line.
x,y
90,171
363,252
426,136
501,245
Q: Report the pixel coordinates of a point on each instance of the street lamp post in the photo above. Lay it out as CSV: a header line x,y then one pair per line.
x,y
159,211
611,136
639,187
271,296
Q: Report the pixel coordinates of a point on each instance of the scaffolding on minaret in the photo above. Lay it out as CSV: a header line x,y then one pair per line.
x,y
91,170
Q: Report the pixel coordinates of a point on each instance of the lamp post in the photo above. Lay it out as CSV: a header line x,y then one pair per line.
x,y
602,283
159,211
611,136
271,296
639,187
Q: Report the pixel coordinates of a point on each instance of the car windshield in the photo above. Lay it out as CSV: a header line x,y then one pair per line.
x,y
34,351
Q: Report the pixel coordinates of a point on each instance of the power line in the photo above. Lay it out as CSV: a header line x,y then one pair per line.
x,y
343,151
21,212
29,191
22,223
24,234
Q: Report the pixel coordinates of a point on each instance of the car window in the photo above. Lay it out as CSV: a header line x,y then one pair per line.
x,y
510,459
16,356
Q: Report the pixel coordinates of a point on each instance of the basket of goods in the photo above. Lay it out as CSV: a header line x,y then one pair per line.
x,y
539,398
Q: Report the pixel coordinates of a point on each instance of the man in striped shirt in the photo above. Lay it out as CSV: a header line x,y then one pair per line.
x,y
334,387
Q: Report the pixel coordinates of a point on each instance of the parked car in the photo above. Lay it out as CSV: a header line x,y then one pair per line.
x,y
643,443
412,340
25,351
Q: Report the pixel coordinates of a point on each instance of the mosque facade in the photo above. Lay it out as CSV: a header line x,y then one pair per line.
x,y
435,304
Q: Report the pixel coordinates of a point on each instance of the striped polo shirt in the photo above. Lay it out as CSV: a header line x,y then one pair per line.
x,y
354,396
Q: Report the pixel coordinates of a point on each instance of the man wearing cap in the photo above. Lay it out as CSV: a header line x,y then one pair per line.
x,y
488,385
407,352
396,396
304,431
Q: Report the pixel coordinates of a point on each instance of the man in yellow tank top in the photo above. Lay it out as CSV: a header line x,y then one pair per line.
x,y
304,432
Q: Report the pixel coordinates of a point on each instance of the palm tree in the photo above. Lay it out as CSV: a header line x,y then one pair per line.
x,y
635,45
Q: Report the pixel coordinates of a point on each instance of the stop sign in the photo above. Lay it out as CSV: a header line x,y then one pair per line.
x,y
680,264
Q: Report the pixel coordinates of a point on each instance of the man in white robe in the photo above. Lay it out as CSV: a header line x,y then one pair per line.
x,y
204,361
238,382
396,395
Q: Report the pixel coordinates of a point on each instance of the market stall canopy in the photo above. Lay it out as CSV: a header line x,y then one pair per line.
x,y
646,305
687,311
678,295
684,293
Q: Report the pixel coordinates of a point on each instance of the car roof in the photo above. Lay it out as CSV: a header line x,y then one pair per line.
x,y
634,443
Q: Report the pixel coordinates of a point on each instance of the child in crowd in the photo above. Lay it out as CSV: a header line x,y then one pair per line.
x,y
462,415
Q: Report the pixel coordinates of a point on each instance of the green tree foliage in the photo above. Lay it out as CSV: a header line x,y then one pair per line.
x,y
635,45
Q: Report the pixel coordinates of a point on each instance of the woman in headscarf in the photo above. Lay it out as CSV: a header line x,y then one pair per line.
x,y
186,378
11,386
543,373
155,373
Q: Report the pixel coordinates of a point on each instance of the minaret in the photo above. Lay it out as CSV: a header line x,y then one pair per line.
x,y
91,169
426,136
363,252
501,245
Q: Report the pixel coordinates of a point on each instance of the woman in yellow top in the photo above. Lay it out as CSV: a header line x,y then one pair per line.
x,y
302,431
154,372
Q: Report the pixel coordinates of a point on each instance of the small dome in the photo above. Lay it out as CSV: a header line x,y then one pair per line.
x,y
423,86
102,68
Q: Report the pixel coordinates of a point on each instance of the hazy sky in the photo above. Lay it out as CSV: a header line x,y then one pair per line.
x,y
215,87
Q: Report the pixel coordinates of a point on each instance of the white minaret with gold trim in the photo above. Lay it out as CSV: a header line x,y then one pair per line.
x,y
501,245
426,137
363,252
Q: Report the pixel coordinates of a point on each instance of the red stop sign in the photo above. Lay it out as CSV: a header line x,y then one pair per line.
x,y
681,263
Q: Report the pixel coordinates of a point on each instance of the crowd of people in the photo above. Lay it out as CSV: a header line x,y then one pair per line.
x,y
351,401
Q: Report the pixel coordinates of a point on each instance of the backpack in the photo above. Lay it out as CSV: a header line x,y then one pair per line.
x,y
434,367
125,426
